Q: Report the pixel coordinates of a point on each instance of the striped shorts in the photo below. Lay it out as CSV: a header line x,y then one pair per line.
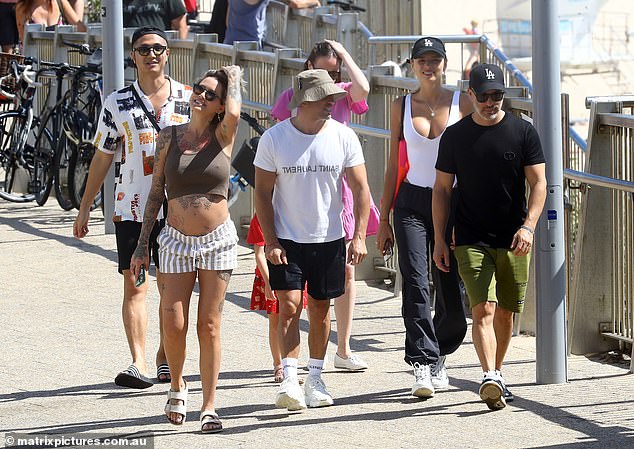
x,y
180,253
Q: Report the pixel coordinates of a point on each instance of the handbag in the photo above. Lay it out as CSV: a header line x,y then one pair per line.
x,y
243,160
403,161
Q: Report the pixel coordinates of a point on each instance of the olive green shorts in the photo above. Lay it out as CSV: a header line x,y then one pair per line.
x,y
493,274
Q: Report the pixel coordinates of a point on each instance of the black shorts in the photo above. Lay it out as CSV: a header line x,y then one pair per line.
x,y
321,265
128,233
8,26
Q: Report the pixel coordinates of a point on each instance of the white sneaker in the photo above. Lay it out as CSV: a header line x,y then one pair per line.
x,y
315,392
423,387
439,378
492,391
290,395
352,363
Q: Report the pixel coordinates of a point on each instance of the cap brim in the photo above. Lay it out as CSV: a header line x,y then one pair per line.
x,y
316,93
489,85
429,50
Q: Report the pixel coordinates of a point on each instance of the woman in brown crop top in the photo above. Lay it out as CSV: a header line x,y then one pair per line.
x,y
192,163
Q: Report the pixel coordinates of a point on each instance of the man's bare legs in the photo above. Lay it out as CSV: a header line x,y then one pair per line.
x,y
503,327
288,325
134,312
492,332
319,331
484,335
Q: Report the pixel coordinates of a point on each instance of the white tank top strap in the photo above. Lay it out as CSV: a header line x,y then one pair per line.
x,y
408,127
454,111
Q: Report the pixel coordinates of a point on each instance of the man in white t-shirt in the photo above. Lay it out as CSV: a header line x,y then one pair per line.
x,y
126,136
299,168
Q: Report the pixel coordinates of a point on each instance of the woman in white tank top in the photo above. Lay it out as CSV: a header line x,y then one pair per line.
x,y
409,178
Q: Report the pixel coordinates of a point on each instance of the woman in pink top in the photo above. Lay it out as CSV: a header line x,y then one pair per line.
x,y
330,55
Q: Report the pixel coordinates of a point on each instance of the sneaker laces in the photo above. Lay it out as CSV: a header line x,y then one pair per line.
x,y
354,359
419,370
437,367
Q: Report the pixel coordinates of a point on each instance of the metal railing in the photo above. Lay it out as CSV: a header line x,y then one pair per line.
x,y
602,289
268,73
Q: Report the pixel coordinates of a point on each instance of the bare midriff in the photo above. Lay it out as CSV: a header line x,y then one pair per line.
x,y
197,214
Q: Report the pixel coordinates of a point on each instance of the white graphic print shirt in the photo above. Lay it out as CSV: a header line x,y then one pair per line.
x,y
125,131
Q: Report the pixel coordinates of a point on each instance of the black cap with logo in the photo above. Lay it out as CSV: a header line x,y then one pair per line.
x,y
485,77
425,44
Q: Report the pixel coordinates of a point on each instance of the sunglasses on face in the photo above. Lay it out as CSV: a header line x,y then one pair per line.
x,y
495,96
210,95
144,50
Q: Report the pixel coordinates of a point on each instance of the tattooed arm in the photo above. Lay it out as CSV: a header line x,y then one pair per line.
x,y
154,202
227,129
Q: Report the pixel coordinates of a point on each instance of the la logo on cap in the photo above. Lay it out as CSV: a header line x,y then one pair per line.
x,y
428,43
489,74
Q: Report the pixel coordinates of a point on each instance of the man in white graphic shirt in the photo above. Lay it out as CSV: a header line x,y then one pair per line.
x,y
299,168
126,134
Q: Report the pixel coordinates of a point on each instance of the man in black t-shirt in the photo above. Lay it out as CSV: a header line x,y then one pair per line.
x,y
492,154
162,14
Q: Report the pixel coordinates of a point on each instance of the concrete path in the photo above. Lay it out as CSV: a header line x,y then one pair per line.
x,y
62,343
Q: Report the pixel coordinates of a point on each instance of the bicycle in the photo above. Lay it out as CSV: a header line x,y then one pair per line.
x,y
71,122
24,162
346,5
84,125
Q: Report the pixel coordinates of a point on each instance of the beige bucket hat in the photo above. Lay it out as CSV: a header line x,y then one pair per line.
x,y
314,85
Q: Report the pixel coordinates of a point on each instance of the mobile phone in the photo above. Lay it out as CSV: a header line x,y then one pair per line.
x,y
140,279
388,251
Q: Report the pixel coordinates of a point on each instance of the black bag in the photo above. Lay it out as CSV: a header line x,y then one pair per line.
x,y
243,160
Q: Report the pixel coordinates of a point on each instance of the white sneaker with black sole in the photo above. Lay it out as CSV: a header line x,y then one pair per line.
x,y
315,392
290,395
423,387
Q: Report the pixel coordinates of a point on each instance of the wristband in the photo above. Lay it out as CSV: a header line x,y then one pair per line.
x,y
528,228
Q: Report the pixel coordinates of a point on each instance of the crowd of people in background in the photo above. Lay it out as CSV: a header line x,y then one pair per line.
x,y
454,188
232,20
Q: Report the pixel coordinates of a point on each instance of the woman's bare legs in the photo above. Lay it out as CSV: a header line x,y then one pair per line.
x,y
176,290
213,287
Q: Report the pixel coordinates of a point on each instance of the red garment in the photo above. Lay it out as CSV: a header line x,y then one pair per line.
x,y
258,298
190,6
403,167
255,236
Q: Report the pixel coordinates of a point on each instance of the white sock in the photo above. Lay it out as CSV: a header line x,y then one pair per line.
x,y
290,367
315,366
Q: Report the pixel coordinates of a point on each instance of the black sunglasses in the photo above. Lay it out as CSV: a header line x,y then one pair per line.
x,y
495,96
144,50
210,95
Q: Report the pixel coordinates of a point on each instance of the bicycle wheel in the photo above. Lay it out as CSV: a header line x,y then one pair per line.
x,y
43,161
61,171
16,164
78,167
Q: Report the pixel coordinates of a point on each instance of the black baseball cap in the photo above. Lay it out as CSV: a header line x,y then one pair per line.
x,y
485,77
425,44
142,31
